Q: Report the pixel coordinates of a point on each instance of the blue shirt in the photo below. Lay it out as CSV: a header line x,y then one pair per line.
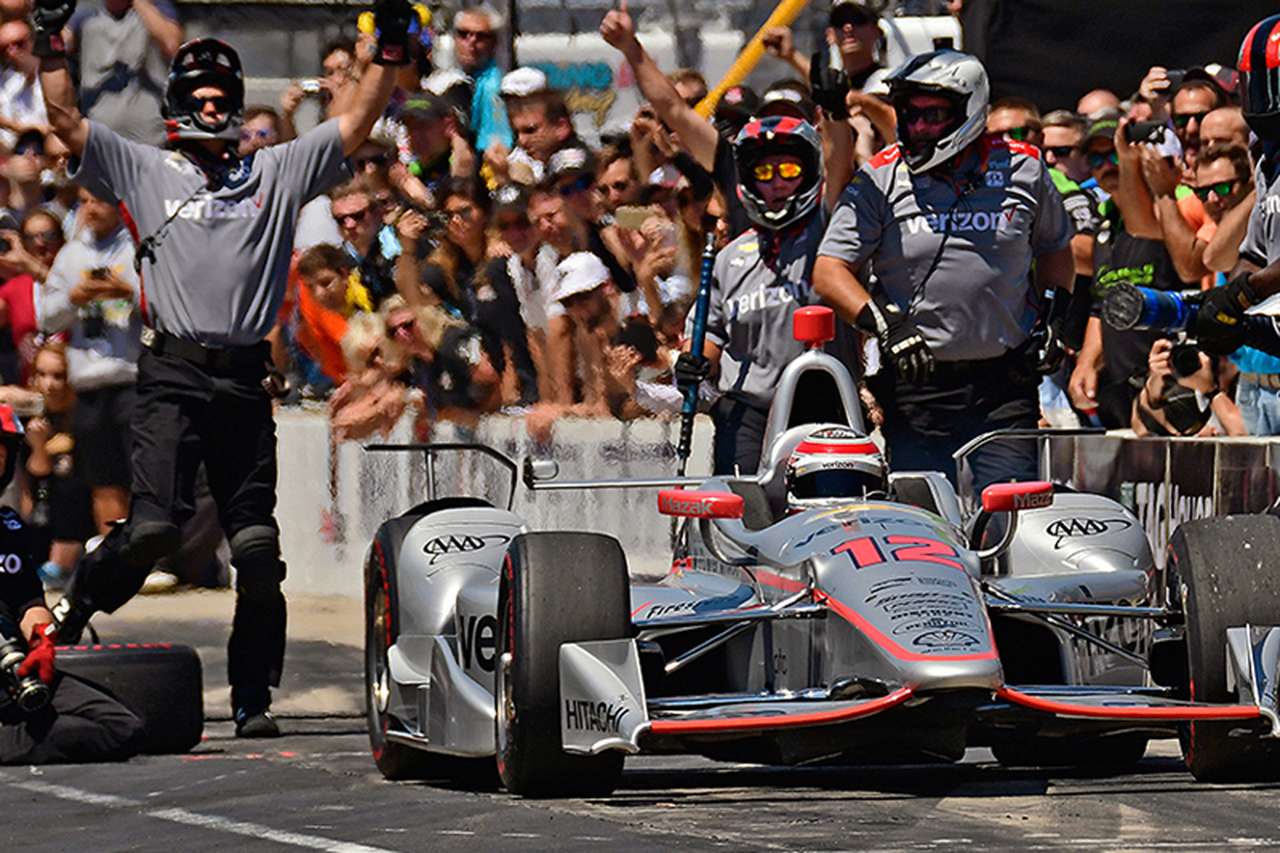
x,y
488,112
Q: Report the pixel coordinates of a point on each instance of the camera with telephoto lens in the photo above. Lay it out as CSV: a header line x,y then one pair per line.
x,y
1128,306
29,692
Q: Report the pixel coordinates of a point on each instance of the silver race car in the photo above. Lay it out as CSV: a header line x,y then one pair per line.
x,y
824,610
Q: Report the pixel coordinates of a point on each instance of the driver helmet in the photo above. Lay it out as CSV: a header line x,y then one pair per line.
x,y
831,466
763,138
957,77
1259,67
11,436
198,63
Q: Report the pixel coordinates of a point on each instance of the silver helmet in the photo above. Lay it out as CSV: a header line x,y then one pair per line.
x,y
957,77
834,466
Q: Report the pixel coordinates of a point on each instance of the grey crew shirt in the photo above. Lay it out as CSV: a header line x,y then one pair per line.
x,y
956,259
754,293
222,263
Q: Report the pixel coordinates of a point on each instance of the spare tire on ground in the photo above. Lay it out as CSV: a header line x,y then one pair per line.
x,y
160,683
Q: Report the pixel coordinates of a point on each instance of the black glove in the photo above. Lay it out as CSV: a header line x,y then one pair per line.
x,y
391,19
47,20
1048,350
828,86
691,369
901,343
1219,326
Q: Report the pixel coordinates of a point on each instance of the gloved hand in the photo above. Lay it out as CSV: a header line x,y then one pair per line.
x,y
691,369
40,653
1219,326
47,20
828,86
1048,349
901,343
391,19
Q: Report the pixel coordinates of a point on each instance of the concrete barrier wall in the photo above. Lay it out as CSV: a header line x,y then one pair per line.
x,y
333,498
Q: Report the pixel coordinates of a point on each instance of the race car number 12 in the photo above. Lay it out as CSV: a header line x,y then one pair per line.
x,y
866,551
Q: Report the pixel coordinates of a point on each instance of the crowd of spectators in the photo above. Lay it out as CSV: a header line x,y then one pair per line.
x,y
484,258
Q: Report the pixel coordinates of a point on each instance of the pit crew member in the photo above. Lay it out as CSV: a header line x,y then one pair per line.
x,y
215,233
963,234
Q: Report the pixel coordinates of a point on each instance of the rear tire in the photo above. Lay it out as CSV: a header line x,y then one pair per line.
x,y
555,588
160,683
1223,570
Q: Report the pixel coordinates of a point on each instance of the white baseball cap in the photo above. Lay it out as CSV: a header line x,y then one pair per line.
x,y
581,272
523,82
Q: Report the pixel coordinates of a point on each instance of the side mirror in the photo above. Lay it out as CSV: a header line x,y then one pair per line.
x,y
1009,497
687,503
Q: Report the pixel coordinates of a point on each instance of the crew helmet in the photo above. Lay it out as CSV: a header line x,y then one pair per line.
x,y
198,63
11,436
1259,67
957,77
766,137
832,466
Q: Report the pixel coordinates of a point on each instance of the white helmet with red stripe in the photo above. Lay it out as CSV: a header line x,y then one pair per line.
x,y
832,466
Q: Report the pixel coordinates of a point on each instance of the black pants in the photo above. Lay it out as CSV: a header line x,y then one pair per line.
x,y
739,435
925,424
187,414
80,724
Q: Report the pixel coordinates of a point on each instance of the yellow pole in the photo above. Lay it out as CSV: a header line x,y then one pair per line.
x,y
786,12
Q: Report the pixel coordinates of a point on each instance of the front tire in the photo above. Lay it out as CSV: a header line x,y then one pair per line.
x,y
555,588
1224,573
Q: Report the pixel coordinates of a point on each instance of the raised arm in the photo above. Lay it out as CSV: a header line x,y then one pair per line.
x,y
167,33
696,133
391,20
48,19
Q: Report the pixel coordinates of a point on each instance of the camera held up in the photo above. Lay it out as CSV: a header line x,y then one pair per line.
x,y
29,692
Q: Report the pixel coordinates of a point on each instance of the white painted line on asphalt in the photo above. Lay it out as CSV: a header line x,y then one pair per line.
x,y
202,821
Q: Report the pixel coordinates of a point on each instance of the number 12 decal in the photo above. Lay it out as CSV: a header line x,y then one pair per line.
x,y
866,552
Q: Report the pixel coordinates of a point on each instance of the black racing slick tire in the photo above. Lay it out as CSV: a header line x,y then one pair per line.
x,y
555,588
1226,572
160,683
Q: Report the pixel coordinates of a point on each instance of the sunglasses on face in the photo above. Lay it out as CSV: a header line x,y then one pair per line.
x,y
928,115
786,171
478,35
1222,188
30,148
581,184
355,216
362,163
249,135
1061,151
845,19
1019,134
221,103
1181,120
1096,159
43,237
466,214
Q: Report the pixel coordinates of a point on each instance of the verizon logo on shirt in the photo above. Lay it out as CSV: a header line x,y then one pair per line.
x,y
214,208
960,220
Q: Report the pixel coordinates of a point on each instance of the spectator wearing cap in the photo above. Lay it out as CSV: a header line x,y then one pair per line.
x,y
1017,119
438,149
23,170
475,42
1112,364
540,123
21,98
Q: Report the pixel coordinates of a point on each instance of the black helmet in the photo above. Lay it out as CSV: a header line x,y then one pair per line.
x,y
199,63
1259,68
11,436
779,135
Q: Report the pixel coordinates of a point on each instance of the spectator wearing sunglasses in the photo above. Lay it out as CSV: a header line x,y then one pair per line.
x,y
1112,365
27,262
1017,120
263,126
475,43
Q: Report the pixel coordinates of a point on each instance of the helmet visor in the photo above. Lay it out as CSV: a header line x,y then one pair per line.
x,y
833,483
